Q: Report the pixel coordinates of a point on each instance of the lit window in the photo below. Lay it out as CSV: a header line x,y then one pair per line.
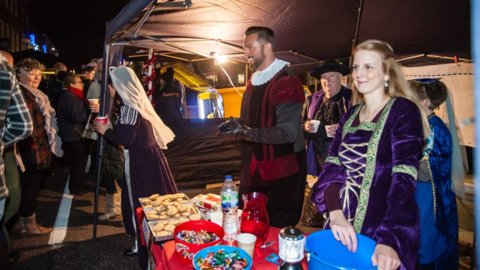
x,y
241,78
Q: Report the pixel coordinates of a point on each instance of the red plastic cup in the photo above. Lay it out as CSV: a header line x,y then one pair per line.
x,y
102,119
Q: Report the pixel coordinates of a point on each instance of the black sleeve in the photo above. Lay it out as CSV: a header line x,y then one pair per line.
x,y
289,117
74,109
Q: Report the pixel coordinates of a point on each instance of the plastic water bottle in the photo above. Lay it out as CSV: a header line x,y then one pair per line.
x,y
230,223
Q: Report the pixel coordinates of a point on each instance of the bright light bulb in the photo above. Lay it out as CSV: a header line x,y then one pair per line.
x,y
219,59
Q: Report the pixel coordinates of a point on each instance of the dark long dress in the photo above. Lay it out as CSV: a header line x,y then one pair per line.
x,y
146,168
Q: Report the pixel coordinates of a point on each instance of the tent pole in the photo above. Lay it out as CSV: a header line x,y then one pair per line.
x,y
357,29
100,142
145,17
476,161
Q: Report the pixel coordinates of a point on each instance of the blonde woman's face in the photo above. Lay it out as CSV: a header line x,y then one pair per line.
x,y
31,78
367,74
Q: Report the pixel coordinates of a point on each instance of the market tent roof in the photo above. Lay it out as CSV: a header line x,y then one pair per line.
x,y
307,31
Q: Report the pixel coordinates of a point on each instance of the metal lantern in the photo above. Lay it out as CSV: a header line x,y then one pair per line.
x,y
291,247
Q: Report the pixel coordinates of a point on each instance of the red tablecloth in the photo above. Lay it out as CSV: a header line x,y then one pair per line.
x,y
172,261
167,259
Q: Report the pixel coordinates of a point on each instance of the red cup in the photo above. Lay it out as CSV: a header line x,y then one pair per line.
x,y
102,119
188,250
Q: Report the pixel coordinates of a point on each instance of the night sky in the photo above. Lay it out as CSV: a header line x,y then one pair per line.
x,y
77,28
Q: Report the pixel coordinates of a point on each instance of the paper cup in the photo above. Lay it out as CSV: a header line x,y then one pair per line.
x,y
327,127
246,241
94,101
315,123
102,119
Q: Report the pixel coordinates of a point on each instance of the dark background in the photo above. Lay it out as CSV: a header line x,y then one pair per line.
x,y
77,28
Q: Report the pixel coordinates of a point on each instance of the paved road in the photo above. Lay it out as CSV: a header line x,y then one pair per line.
x,y
77,251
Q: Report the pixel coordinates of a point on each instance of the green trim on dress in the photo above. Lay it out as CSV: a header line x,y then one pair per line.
x,y
406,169
367,126
370,161
334,160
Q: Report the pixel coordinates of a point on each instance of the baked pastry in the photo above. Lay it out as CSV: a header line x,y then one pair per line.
x,y
183,219
169,227
172,211
158,227
195,217
174,221
154,197
162,233
153,217
182,208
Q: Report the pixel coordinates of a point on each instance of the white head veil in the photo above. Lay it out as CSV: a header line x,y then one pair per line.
x,y
133,94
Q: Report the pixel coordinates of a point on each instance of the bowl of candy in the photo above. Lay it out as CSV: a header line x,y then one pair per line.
x,y
222,258
192,236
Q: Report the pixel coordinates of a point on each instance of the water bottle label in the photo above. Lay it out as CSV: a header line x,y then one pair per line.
x,y
229,200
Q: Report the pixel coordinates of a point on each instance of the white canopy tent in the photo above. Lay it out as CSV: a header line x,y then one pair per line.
x,y
459,79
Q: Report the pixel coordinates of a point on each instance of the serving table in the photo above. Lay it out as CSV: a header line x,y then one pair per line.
x,y
163,256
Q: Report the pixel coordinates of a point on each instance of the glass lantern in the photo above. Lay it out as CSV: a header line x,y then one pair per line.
x,y
210,104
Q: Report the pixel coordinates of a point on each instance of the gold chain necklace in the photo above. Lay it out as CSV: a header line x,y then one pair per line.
x,y
376,110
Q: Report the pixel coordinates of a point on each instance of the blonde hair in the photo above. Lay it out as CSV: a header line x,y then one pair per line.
x,y
397,85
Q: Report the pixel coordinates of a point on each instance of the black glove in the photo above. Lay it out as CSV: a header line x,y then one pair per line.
x,y
232,127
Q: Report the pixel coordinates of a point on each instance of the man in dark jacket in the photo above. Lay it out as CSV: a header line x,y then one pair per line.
x,y
168,99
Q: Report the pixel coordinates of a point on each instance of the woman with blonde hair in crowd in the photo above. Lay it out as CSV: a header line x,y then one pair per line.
x,y
368,183
36,150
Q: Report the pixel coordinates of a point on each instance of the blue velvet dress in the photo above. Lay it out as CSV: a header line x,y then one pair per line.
x,y
375,165
439,220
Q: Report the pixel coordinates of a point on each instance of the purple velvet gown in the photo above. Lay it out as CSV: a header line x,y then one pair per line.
x,y
146,168
375,165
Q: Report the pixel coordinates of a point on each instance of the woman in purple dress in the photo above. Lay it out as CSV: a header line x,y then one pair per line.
x,y
368,183
143,134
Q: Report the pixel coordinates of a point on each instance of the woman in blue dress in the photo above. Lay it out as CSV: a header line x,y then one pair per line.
x,y
435,193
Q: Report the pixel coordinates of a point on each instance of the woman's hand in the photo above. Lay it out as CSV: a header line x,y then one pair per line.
x,y
309,127
385,257
343,230
100,127
94,108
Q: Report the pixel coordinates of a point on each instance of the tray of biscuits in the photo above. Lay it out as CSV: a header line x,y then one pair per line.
x,y
163,229
169,199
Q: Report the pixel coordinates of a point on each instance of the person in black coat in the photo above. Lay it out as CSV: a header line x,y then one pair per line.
x,y
73,111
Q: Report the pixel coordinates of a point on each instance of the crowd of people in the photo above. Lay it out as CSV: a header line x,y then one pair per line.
x,y
380,158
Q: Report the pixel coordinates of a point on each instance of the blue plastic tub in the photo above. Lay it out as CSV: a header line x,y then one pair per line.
x,y
325,252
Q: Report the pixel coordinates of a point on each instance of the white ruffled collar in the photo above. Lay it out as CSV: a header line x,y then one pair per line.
x,y
262,77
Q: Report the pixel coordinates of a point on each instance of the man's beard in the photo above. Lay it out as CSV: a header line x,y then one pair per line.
x,y
257,62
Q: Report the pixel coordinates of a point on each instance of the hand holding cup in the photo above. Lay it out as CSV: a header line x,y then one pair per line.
x,y
311,126
331,130
102,124
94,105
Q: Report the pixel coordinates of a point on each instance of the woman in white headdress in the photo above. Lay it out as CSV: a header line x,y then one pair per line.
x,y
143,134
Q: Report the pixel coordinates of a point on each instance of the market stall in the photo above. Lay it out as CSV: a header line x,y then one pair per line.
x,y
307,33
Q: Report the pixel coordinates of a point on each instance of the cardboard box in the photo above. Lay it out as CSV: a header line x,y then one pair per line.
x,y
208,203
